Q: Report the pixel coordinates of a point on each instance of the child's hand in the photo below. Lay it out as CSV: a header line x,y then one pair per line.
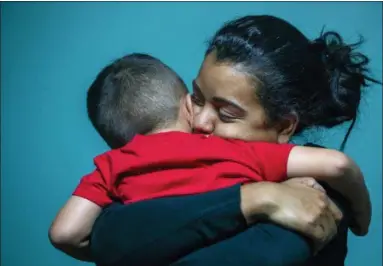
x,y
307,181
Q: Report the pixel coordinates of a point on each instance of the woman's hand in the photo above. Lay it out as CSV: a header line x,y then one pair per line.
x,y
294,204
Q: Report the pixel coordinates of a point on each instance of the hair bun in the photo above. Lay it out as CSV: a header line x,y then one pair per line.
x,y
336,55
347,74
346,70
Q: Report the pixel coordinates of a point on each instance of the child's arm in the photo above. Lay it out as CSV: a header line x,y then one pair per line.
x,y
341,173
72,226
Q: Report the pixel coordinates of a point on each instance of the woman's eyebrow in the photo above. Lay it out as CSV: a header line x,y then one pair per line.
x,y
228,102
218,100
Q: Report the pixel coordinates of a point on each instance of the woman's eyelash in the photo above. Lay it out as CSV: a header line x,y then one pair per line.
x,y
225,117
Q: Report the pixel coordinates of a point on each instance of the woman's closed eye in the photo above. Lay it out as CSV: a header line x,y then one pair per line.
x,y
227,110
226,116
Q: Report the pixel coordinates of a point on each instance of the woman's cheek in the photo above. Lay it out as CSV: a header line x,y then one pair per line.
x,y
236,131
229,131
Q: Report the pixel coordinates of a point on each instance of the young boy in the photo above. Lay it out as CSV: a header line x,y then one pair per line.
x,y
169,161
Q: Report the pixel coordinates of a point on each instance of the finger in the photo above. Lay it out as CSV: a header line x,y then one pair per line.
x,y
331,227
319,241
317,186
335,211
309,181
325,229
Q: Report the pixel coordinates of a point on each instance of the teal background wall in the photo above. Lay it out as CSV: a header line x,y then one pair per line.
x,y
51,52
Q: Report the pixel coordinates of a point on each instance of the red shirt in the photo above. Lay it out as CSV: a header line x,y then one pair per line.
x,y
177,163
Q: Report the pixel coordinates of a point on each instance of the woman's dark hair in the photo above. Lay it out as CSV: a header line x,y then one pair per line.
x,y
319,81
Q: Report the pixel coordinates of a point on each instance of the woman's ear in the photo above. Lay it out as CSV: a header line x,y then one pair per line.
x,y
287,128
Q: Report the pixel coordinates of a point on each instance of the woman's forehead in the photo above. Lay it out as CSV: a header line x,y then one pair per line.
x,y
224,81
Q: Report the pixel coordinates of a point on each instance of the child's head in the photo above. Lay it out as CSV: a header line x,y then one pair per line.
x,y
136,94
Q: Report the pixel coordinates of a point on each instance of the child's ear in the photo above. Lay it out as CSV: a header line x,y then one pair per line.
x,y
189,105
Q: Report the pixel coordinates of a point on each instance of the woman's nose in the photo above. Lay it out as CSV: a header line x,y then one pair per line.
x,y
204,122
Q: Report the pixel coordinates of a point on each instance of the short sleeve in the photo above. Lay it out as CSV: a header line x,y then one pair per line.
x,y
96,186
271,160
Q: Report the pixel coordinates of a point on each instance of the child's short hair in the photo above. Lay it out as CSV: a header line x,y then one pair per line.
x,y
134,95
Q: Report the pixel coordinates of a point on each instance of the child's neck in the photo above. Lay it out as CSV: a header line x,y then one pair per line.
x,y
176,128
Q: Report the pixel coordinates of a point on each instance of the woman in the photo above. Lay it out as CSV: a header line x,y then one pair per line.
x,y
260,76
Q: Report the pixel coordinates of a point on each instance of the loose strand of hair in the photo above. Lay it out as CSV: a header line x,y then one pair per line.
x,y
350,128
